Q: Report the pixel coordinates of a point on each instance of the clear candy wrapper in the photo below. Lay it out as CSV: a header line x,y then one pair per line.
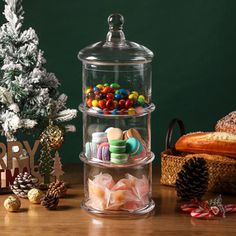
x,y
129,193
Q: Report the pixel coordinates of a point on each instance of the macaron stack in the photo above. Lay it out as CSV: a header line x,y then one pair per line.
x,y
118,151
112,99
116,146
98,148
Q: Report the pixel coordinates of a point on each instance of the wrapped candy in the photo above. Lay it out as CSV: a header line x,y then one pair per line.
x,y
129,193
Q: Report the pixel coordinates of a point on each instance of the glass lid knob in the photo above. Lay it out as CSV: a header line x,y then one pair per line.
x,y
115,35
115,21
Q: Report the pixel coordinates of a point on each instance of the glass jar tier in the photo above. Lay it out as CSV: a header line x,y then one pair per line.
x,y
118,89
116,139
118,191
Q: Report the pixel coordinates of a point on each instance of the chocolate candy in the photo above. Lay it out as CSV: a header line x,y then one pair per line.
x,y
141,100
110,96
129,103
106,111
135,93
115,86
98,96
110,104
132,96
100,86
89,102
95,103
115,103
141,97
118,96
123,92
112,99
90,95
114,112
106,89
121,104
131,111
95,89
88,90
102,103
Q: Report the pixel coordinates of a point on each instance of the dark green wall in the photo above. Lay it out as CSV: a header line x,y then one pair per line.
x,y
194,42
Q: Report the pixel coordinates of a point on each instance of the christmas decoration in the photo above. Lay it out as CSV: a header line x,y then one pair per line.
x,y
192,180
52,136
12,203
45,163
35,195
208,209
50,201
57,167
59,188
22,184
28,93
29,96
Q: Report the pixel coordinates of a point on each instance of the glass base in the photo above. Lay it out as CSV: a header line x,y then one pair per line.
x,y
146,211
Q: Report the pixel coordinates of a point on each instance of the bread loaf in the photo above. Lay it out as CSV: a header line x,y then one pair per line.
x,y
227,123
220,143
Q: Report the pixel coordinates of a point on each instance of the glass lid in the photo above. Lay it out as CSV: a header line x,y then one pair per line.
x,y
116,49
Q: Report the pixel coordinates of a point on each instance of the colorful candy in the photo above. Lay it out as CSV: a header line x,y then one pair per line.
x,y
113,99
95,103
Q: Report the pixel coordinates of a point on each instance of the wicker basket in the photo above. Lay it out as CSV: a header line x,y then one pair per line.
x,y
222,170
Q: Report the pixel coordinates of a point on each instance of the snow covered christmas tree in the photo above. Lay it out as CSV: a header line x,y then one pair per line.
x,y
29,97
28,93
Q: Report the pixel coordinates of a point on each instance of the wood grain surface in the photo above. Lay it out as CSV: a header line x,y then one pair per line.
x,y
70,219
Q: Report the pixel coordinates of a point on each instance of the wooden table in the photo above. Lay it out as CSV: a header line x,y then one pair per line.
x,y
70,219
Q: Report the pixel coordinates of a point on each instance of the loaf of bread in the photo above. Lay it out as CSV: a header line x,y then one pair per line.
x,y
227,123
220,143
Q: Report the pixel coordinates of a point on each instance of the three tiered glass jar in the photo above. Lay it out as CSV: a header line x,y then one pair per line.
x,y
117,157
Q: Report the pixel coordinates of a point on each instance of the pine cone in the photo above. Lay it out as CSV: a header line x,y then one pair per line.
x,y
50,201
192,180
22,184
58,188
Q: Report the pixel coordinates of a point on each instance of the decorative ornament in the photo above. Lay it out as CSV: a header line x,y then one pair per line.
x,y
50,201
59,188
12,203
35,195
52,136
45,163
208,209
22,184
57,167
192,180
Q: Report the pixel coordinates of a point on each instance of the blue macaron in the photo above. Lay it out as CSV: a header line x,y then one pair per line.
x,y
133,146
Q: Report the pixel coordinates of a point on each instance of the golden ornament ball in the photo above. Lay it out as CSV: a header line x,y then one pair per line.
x,y
12,203
35,195
53,136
